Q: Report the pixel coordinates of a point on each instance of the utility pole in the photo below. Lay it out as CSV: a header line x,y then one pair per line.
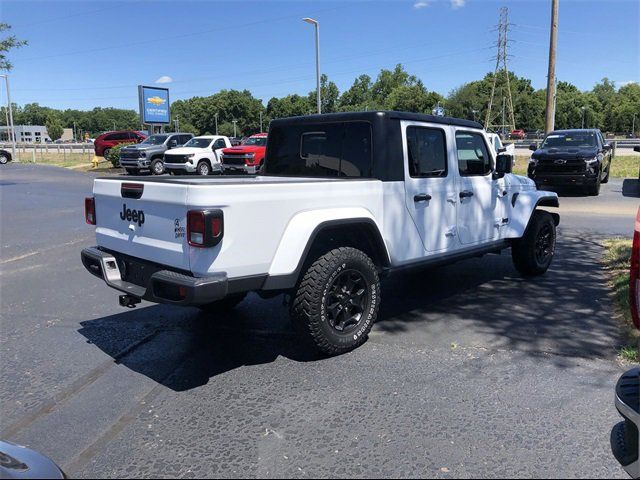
x,y
633,126
260,122
550,112
216,117
501,70
235,122
11,126
583,110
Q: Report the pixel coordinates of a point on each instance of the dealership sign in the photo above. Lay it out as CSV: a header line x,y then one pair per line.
x,y
154,105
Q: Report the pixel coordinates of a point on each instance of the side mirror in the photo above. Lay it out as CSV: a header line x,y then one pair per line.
x,y
173,144
606,147
533,147
502,149
504,165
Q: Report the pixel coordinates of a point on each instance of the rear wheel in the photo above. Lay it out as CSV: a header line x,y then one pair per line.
x,y
157,167
337,301
203,168
106,153
4,158
532,254
227,303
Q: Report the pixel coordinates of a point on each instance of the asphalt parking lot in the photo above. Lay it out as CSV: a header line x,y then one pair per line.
x,y
471,371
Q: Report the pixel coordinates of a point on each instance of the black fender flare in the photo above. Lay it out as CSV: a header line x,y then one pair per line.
x,y
283,282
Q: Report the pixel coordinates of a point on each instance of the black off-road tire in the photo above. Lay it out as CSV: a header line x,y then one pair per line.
x,y
606,178
532,254
226,304
133,171
313,316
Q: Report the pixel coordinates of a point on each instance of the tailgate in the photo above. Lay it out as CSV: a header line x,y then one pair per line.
x,y
143,219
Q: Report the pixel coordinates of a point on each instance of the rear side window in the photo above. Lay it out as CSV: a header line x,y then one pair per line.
x,y
427,155
340,149
473,156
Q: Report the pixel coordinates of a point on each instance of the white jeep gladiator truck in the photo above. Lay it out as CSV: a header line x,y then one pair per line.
x,y
342,201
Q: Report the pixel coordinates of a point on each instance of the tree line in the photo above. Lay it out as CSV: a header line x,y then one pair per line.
x,y
605,106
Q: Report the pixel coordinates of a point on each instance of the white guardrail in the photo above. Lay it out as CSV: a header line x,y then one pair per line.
x,y
33,152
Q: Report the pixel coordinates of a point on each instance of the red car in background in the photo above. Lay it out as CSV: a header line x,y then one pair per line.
x,y
247,157
517,135
634,275
105,142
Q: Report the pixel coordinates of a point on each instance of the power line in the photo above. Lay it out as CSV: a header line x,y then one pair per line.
x,y
158,40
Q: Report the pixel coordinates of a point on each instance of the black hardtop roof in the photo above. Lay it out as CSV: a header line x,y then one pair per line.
x,y
571,130
375,115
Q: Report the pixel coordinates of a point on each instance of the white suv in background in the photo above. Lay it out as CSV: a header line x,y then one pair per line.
x,y
199,155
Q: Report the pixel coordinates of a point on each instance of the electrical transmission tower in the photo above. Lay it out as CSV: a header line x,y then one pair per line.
x,y
501,118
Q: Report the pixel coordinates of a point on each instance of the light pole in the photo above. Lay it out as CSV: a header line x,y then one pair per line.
x,y
216,117
583,110
235,122
176,123
260,122
11,126
633,126
317,25
474,114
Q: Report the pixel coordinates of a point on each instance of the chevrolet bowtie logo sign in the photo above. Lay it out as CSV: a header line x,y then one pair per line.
x,y
560,162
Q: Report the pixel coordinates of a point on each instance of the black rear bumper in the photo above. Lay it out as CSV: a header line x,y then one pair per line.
x,y
624,437
151,282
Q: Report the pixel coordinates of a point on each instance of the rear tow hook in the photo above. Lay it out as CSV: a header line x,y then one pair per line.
x,y
128,301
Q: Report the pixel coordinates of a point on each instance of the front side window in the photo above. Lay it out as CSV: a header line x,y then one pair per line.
x,y
473,156
427,154
219,144
340,149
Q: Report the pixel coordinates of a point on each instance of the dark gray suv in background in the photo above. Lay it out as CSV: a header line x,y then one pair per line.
x,y
148,155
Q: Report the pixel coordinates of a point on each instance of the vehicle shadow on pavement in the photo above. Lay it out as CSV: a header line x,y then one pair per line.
x,y
631,188
480,303
486,303
183,348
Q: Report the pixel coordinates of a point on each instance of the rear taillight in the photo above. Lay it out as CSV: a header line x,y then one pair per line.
x,y
205,228
634,275
90,210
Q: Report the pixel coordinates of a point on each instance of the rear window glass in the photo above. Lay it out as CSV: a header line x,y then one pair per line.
x,y
340,149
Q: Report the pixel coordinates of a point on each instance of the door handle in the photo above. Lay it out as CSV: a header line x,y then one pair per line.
x,y
466,194
423,197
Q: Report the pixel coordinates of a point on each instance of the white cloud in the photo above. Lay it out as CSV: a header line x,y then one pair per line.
x,y
626,82
455,4
421,4
164,79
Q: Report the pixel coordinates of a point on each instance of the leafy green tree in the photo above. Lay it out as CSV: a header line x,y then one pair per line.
x,y
358,97
290,106
7,44
329,95
54,128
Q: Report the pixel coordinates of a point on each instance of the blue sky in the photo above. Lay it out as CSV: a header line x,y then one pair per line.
x,y
91,53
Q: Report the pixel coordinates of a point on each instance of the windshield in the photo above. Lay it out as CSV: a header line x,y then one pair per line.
x,y
257,141
155,140
198,143
570,140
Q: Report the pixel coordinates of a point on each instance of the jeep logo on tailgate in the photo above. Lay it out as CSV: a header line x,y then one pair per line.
x,y
132,215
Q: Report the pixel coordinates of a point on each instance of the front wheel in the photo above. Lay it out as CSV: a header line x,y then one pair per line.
x,y
3,158
532,254
594,190
337,301
106,153
203,168
157,167
606,178
132,171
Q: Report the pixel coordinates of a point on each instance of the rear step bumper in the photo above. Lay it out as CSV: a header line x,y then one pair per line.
x,y
624,437
163,286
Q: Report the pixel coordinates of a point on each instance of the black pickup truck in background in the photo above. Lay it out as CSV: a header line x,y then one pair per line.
x,y
571,157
